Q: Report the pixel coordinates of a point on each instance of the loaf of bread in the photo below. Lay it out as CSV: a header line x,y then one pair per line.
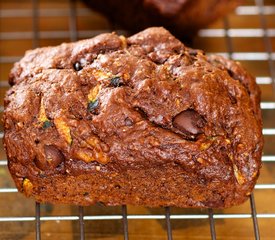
x,y
142,120
182,17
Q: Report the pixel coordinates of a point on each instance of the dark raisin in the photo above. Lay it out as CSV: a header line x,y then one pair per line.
x,y
46,124
116,81
85,194
77,66
93,105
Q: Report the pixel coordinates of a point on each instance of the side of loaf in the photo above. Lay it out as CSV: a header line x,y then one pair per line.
x,y
142,120
183,18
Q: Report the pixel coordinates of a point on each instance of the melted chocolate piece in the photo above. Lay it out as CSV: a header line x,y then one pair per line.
x,y
128,121
77,66
53,155
189,122
53,158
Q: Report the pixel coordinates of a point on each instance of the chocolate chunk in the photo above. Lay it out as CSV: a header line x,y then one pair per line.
x,y
116,81
53,157
189,122
77,66
128,121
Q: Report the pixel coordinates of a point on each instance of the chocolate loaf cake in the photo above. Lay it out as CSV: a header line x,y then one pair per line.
x,y
182,17
143,121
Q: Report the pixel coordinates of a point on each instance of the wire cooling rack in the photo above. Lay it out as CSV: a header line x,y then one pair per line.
x,y
247,36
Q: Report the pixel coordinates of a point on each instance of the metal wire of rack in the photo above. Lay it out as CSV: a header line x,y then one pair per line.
x,y
259,9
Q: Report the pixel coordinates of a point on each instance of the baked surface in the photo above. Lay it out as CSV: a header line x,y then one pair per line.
x,y
143,121
183,18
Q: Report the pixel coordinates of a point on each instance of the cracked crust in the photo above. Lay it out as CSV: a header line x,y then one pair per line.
x,y
95,121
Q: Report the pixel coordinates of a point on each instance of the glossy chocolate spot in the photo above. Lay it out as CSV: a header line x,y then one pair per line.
x,y
189,122
77,66
53,157
128,121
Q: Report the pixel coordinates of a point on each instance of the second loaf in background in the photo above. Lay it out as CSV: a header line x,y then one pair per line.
x,y
183,18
